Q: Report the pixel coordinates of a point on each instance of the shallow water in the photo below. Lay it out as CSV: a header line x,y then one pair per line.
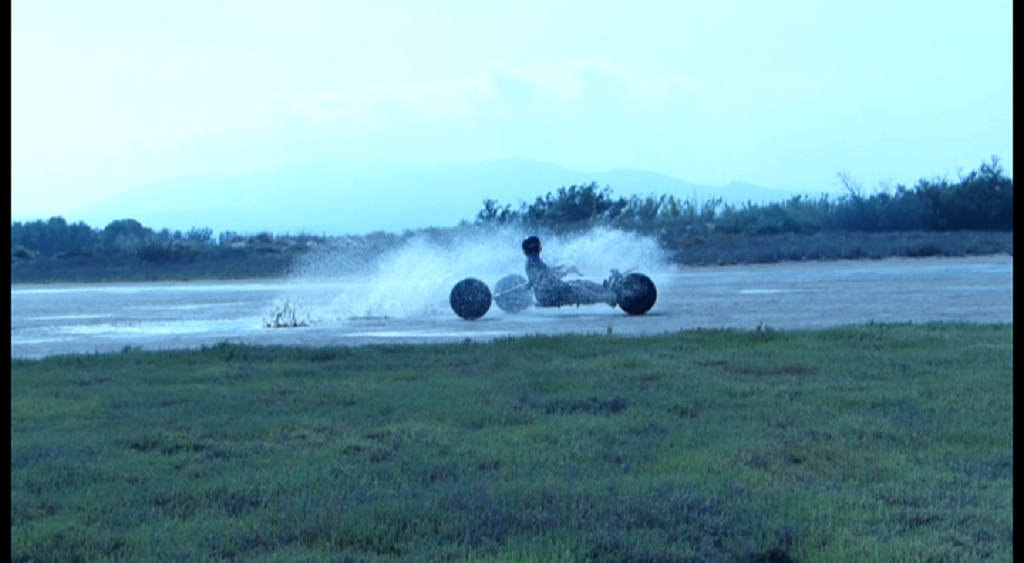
x,y
412,307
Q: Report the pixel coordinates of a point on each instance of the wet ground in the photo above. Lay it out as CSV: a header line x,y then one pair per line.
x,y
73,318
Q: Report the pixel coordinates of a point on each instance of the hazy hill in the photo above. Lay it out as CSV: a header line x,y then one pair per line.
x,y
357,197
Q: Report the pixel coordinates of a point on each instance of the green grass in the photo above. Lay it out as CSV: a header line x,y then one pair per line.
x,y
866,443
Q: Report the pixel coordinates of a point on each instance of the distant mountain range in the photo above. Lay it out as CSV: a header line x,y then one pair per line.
x,y
358,197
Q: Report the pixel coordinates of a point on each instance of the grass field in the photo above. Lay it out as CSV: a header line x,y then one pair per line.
x,y
865,443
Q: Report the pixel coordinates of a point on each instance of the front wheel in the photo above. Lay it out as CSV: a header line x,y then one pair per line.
x,y
636,294
511,294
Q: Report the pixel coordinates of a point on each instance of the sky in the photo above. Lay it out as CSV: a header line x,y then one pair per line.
x,y
107,96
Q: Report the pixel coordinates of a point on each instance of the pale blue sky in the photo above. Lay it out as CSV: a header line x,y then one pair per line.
x,y
110,95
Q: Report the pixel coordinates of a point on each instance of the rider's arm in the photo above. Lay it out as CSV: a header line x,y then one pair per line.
x,y
562,271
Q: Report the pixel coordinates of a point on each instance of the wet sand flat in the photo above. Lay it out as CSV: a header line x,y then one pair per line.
x,y
70,318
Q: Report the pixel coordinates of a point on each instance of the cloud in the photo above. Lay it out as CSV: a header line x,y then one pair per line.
x,y
105,98
584,113
512,91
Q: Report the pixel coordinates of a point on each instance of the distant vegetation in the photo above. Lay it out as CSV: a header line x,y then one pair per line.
x,y
979,201
971,216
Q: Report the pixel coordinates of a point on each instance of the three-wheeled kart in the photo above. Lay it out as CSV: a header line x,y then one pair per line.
x,y
470,299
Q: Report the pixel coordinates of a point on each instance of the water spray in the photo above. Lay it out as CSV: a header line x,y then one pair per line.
x,y
411,276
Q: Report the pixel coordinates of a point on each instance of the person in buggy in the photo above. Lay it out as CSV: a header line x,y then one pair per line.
x,y
551,291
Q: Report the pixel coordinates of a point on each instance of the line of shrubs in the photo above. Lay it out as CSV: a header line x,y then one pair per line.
x,y
981,200
934,217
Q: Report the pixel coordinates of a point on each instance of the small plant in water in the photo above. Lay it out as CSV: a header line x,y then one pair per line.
x,y
286,317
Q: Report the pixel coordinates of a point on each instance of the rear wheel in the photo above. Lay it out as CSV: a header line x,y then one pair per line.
x,y
636,294
470,299
511,295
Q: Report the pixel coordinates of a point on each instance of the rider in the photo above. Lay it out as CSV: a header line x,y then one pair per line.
x,y
548,287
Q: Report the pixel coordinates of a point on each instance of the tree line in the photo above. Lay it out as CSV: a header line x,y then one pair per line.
x,y
981,200
125,250
59,239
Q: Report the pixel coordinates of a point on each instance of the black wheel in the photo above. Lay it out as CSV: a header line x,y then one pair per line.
x,y
511,295
470,299
636,294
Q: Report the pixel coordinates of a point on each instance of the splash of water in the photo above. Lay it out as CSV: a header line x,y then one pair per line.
x,y
414,276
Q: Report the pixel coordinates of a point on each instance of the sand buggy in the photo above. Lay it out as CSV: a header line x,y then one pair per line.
x,y
470,299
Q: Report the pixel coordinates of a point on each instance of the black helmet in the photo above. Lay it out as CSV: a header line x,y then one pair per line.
x,y
531,245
